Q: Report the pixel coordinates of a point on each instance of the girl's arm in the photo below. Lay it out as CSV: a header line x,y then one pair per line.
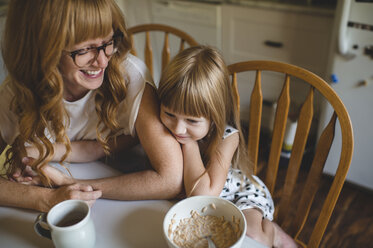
x,y
212,182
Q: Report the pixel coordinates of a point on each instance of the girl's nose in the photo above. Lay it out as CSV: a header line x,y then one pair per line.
x,y
180,128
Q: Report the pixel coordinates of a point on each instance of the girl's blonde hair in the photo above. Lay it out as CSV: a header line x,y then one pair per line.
x,y
196,83
36,33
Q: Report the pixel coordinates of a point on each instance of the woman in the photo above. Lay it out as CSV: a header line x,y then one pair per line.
x,y
70,80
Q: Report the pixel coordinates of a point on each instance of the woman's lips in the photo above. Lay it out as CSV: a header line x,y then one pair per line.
x,y
92,73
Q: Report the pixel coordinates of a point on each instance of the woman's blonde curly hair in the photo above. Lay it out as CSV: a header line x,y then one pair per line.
x,y
36,33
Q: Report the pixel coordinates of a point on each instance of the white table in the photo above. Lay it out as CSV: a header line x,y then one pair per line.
x,y
132,224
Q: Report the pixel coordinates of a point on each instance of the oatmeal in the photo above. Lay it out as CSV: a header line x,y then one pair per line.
x,y
190,232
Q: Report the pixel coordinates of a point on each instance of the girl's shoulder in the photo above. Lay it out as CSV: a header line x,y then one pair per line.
x,y
229,130
9,120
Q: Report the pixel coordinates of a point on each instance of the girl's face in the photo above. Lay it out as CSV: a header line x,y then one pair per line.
x,y
184,128
79,80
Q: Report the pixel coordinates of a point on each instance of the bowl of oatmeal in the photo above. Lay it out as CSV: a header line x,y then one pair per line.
x,y
190,220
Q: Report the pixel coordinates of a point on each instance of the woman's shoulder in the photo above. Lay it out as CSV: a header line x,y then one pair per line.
x,y
9,120
136,70
6,94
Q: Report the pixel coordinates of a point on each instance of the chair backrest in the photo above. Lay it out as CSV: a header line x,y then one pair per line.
x,y
148,48
294,222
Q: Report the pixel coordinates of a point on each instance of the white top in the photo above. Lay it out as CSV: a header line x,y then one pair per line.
x,y
82,113
229,130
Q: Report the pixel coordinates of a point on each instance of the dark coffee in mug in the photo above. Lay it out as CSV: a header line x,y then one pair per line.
x,y
68,224
71,219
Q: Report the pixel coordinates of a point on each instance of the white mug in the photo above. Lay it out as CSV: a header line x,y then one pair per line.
x,y
68,224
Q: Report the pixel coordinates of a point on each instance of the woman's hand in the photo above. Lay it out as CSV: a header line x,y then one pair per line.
x,y
24,172
26,175
32,152
56,177
76,191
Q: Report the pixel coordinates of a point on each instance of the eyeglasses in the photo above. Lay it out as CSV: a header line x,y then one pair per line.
x,y
86,56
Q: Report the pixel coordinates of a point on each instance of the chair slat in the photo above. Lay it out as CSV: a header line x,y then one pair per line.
x,y
300,140
255,117
182,45
278,135
133,50
314,177
185,39
148,53
235,91
335,189
165,51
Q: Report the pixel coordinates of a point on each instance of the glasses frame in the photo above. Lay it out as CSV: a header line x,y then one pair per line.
x,y
114,39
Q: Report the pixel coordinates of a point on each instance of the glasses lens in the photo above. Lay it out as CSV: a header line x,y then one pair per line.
x,y
109,49
88,56
85,58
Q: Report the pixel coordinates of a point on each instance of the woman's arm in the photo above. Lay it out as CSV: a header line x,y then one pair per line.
x,y
212,182
83,151
15,194
164,181
39,198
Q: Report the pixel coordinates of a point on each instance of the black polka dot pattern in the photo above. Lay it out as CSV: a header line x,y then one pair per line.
x,y
242,192
229,131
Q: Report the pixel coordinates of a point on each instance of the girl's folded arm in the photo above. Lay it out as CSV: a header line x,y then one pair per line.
x,y
209,181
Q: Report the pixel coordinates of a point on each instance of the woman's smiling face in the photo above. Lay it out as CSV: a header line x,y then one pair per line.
x,y
79,80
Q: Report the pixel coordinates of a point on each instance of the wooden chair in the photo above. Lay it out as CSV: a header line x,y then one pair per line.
x,y
166,53
294,222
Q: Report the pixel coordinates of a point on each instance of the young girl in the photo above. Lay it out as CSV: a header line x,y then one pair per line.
x,y
198,108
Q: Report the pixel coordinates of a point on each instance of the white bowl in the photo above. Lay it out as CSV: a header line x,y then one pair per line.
x,y
202,205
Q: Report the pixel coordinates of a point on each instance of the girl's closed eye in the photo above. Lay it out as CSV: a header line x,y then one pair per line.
x,y
193,121
169,114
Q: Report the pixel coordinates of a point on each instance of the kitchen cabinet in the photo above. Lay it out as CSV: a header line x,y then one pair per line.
x,y
258,30
200,20
136,12
264,33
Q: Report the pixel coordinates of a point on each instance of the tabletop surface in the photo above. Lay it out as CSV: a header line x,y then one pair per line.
x,y
133,224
